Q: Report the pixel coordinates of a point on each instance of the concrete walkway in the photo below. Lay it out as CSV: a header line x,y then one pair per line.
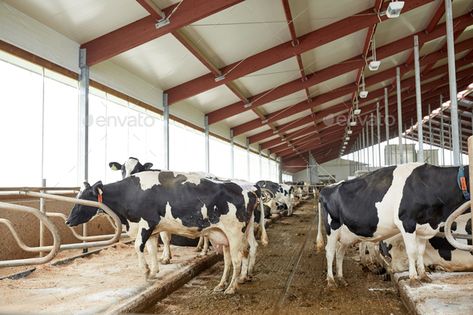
x,y
107,282
449,293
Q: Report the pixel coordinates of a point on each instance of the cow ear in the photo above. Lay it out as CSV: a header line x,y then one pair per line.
x,y
97,188
147,166
115,166
86,185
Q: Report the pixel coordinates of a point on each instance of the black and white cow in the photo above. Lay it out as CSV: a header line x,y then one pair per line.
x,y
183,204
439,253
412,199
283,195
128,168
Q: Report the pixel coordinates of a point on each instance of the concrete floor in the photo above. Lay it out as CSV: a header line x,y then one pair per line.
x,y
449,293
92,284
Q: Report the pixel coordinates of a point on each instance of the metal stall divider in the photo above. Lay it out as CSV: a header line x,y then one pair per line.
x,y
87,241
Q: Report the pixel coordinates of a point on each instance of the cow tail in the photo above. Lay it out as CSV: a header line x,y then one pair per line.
x,y
264,235
320,238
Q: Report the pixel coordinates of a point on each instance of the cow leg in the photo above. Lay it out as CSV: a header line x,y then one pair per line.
x,y
421,243
248,263
152,248
166,256
205,249
253,248
237,244
330,249
226,269
339,261
411,250
200,244
141,256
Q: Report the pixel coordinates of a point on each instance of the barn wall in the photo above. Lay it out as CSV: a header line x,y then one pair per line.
x,y
301,176
339,168
27,227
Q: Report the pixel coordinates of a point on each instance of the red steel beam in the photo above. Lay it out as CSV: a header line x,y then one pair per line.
x,y
283,51
366,108
327,74
346,89
144,30
436,18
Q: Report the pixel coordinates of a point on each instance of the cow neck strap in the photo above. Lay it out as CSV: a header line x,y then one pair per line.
x,y
461,180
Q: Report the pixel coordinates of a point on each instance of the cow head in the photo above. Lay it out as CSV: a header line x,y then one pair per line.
x,y
82,213
130,167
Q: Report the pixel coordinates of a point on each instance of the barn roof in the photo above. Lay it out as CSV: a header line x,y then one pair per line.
x,y
283,73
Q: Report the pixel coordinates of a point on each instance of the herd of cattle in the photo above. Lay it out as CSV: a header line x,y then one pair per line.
x,y
400,208
194,205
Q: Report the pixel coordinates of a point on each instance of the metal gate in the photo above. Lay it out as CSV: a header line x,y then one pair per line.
x,y
87,241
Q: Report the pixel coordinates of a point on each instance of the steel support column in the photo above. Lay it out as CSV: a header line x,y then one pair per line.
x,y
207,144
431,139
367,135
386,122
420,133
372,138
378,131
232,146
280,170
248,171
450,138
452,82
83,116
405,145
83,123
260,163
399,113
442,135
166,130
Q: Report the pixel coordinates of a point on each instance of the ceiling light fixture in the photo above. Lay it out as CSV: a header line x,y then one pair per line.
x,y
363,92
357,110
374,64
394,9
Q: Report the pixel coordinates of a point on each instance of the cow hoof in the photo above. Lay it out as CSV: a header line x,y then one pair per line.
x,y
198,249
331,284
244,279
220,287
152,277
414,282
202,254
343,282
165,261
229,291
425,278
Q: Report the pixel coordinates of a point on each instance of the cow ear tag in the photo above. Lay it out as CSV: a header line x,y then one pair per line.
x,y
100,195
114,166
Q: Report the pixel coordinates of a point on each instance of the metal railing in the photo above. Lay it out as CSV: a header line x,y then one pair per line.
x,y
87,241
42,218
463,208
